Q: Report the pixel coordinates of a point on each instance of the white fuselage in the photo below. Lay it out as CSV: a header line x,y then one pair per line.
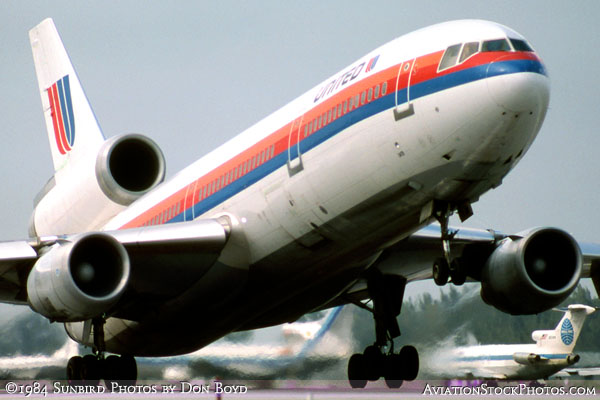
x,y
497,362
318,188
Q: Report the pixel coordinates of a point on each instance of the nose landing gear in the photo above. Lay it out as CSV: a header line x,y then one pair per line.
x,y
445,267
379,360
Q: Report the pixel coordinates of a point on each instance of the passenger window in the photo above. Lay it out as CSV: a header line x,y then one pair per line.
x,y
384,89
450,57
356,103
345,107
350,103
520,45
370,94
495,45
339,112
362,98
377,91
329,116
468,50
305,130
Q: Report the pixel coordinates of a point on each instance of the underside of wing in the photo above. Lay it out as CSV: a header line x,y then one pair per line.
x,y
123,273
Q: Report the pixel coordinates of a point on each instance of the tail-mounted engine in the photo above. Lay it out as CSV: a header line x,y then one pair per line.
x,y
79,280
531,273
124,168
128,166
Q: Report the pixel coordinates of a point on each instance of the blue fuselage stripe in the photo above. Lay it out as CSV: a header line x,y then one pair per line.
x,y
353,117
509,357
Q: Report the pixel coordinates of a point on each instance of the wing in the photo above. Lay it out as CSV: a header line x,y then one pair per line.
x,y
498,261
159,263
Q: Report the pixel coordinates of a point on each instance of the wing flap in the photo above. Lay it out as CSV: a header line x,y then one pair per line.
x,y
16,259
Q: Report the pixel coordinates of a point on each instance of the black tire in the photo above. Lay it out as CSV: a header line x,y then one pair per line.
x,y
112,371
374,363
91,371
74,370
129,369
441,271
410,363
356,371
458,273
393,371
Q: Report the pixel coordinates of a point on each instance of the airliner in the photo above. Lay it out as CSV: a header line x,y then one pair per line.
x,y
293,349
328,201
552,351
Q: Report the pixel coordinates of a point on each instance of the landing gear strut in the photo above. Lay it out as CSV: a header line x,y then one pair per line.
x,y
379,360
445,267
89,369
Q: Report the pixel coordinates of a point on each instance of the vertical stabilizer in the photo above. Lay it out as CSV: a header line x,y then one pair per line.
x,y
566,333
72,128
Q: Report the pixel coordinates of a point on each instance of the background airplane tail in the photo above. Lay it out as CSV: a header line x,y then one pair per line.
x,y
564,337
72,128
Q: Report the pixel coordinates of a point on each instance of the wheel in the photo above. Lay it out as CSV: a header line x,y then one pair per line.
x,y
410,362
74,370
356,371
129,368
393,371
91,372
374,363
112,371
441,271
457,272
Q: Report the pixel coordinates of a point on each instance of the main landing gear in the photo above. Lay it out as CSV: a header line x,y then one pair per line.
x,y
91,368
445,267
379,360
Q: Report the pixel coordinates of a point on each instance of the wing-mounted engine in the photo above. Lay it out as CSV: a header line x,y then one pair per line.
x,y
531,273
79,279
124,168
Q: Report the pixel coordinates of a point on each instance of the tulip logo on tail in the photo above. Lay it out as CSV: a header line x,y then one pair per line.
x,y
61,110
566,332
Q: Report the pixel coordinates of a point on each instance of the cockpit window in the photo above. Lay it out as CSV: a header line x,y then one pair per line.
x,y
450,57
468,50
520,45
496,45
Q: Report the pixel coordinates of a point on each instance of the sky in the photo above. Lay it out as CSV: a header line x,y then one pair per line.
x,y
193,74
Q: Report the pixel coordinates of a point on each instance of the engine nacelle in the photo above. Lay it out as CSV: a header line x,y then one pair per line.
x,y
123,169
573,359
531,273
79,280
128,166
526,358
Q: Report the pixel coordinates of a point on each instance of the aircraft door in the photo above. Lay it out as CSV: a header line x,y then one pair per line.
x,y
294,162
404,106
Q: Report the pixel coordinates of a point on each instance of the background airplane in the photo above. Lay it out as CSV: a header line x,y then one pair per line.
x,y
552,351
300,350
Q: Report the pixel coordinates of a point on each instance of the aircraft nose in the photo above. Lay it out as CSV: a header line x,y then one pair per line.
x,y
518,85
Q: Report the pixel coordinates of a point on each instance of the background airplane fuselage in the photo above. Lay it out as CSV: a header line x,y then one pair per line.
x,y
497,362
316,190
